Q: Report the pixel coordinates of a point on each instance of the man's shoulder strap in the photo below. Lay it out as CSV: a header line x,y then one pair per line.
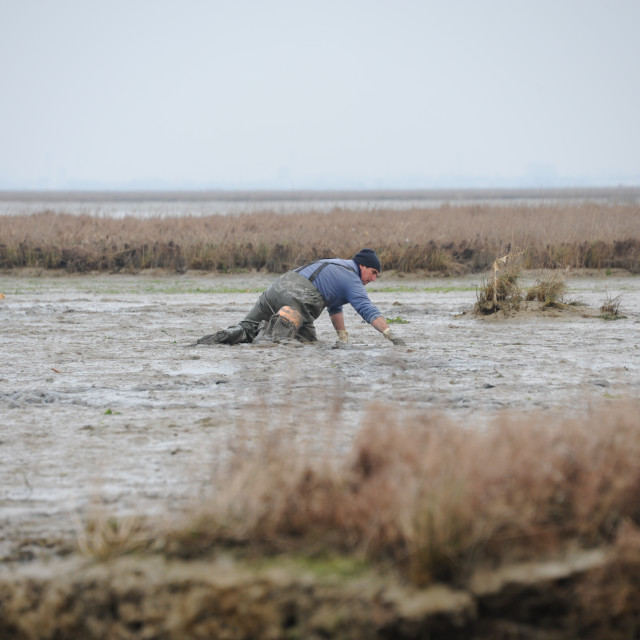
x,y
320,267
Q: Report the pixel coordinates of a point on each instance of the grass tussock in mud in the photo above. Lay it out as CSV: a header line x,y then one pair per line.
x,y
450,239
501,290
611,308
549,291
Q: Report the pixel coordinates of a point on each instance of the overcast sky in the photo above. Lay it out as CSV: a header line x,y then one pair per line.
x,y
318,94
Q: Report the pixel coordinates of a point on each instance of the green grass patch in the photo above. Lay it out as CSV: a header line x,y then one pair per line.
x,y
396,320
396,289
177,289
321,566
410,289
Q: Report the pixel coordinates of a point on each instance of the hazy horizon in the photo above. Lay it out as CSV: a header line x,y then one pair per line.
x,y
607,191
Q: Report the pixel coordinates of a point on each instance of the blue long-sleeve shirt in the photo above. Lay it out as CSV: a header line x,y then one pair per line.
x,y
339,285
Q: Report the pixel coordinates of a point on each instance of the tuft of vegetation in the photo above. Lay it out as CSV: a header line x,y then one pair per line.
x,y
610,309
549,291
104,537
501,292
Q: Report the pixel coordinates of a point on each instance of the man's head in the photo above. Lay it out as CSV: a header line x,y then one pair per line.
x,y
369,265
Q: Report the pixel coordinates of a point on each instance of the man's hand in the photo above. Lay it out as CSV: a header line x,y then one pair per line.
x,y
342,341
389,335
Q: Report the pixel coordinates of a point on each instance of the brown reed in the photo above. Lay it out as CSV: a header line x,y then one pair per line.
x,y
429,497
549,290
501,291
611,308
448,239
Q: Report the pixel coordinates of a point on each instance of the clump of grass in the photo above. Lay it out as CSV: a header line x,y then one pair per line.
x,y
396,320
431,498
549,291
104,536
610,309
501,292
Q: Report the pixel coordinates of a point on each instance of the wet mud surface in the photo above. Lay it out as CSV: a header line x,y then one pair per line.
x,y
103,401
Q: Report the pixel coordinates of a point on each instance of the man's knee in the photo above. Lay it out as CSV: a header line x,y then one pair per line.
x,y
283,325
291,315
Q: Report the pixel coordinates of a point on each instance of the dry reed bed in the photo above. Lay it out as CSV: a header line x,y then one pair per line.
x,y
430,498
448,239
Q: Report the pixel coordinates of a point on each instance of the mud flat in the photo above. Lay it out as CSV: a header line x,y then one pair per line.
x,y
104,402
102,398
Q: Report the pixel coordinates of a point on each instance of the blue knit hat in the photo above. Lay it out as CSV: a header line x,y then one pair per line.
x,y
367,258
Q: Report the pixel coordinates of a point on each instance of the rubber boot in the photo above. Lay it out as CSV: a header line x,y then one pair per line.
x,y
232,335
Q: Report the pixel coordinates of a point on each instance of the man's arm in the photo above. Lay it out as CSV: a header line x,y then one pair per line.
x,y
380,324
337,319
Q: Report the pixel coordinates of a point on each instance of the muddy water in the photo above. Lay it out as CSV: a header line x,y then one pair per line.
x,y
103,402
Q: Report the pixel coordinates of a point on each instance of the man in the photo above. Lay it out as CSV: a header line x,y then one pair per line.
x,y
291,304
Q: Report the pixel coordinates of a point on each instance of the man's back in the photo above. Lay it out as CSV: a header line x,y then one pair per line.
x,y
338,281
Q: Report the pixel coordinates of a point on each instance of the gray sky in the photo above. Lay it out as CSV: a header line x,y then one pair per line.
x,y
327,94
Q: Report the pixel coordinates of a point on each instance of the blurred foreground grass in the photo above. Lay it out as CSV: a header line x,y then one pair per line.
x,y
423,495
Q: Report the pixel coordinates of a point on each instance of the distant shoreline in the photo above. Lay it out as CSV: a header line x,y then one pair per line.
x,y
619,193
